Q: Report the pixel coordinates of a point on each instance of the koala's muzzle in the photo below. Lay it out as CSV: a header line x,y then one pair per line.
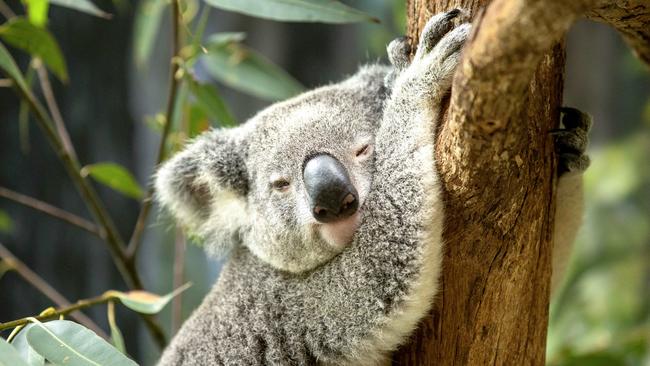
x,y
332,195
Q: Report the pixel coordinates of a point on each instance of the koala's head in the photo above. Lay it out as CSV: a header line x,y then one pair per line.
x,y
290,184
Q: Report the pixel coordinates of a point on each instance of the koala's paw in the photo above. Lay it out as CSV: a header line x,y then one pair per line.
x,y
571,141
435,60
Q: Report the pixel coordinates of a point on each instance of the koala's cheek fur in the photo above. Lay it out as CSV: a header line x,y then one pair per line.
x,y
288,248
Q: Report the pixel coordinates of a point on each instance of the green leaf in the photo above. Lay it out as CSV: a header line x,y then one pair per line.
x,y
36,41
8,65
37,12
117,338
198,121
209,100
223,38
146,302
114,176
147,22
83,6
244,69
26,352
116,333
9,356
324,11
64,342
6,223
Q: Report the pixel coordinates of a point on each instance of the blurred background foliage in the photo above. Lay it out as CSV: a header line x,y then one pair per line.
x,y
114,101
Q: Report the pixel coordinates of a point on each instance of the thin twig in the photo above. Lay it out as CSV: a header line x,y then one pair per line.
x,y
179,272
81,304
6,83
6,10
46,88
53,211
136,237
46,289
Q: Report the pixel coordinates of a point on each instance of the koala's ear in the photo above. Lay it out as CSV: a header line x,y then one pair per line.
x,y
205,185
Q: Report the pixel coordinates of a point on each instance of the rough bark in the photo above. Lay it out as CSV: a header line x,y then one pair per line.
x,y
631,18
497,166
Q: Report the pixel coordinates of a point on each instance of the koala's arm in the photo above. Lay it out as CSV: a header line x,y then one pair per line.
x,y
205,183
571,143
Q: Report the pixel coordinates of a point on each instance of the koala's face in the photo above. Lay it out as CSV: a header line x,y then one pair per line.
x,y
310,166
290,184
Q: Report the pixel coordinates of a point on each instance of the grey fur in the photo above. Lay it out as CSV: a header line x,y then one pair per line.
x,y
286,295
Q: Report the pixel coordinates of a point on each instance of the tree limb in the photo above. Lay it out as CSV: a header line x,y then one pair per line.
x,y
631,18
497,167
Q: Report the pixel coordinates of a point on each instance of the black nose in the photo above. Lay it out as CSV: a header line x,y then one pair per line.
x,y
331,193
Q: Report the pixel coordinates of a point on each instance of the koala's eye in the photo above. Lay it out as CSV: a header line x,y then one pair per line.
x,y
280,185
364,151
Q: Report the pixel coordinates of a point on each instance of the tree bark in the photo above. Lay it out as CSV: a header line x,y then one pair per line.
x,y
497,166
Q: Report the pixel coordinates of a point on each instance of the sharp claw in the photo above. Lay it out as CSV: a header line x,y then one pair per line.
x,y
451,14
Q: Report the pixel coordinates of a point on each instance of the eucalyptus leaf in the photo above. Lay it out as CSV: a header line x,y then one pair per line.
x,y
114,176
198,121
323,11
26,351
9,356
209,100
6,223
244,69
145,302
145,30
116,333
36,41
37,12
83,6
8,65
221,38
117,338
64,342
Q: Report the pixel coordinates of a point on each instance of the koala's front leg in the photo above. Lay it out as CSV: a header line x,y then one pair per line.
x,y
570,143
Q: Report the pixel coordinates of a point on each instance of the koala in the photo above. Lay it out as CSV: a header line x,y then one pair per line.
x,y
328,207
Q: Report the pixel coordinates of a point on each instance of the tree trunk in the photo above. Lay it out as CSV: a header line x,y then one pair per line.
x,y
497,165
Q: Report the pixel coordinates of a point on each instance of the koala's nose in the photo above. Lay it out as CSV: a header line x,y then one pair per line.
x,y
331,193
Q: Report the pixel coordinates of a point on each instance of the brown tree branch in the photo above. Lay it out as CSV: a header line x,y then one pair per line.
x,y
497,168
46,289
6,10
53,211
631,18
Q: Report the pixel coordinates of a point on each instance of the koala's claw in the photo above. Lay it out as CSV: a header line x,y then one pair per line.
x,y
453,41
430,73
434,30
571,141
